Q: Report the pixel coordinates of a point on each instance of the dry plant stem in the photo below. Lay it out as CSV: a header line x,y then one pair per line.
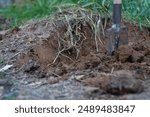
x,y
69,30
57,56
11,73
97,49
14,56
55,74
103,29
105,24
66,57
112,70
74,37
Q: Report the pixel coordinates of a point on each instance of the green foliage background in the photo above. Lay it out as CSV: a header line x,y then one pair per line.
x,y
137,11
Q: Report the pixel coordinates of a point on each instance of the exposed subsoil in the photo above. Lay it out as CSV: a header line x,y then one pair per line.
x,y
60,58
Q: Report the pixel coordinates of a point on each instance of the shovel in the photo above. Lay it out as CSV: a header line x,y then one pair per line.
x,y
117,34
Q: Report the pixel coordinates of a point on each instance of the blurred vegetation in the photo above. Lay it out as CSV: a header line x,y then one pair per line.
x,y
137,11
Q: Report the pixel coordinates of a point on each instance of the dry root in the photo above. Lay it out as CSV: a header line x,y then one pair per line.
x,y
74,37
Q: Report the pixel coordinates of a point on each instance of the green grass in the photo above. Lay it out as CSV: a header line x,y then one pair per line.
x,y
137,11
35,9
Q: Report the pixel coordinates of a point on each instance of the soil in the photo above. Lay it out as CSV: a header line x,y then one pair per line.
x,y
56,58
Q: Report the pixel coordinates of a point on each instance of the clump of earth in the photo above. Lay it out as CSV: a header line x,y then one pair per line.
x,y
64,57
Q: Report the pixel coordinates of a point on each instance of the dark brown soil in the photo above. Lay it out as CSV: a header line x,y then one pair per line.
x,y
42,71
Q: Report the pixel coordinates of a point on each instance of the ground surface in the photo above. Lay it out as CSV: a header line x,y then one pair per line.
x,y
64,57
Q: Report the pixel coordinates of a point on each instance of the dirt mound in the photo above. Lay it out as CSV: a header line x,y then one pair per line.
x,y
71,45
72,40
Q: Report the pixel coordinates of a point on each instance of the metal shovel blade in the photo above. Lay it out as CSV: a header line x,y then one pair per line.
x,y
117,35
116,39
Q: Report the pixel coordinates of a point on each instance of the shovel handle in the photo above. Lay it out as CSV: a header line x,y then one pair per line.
x,y
117,7
117,1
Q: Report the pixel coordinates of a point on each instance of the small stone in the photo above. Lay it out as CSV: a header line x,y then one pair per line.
x,y
52,80
3,32
79,77
90,90
31,66
13,49
31,40
60,71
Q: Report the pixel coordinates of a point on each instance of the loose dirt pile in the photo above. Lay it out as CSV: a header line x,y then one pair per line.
x,y
64,57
